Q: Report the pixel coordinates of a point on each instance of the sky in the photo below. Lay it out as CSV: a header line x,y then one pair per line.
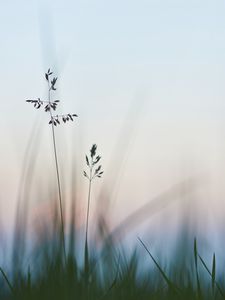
x,y
146,79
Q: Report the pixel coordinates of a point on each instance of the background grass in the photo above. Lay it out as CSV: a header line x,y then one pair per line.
x,y
38,271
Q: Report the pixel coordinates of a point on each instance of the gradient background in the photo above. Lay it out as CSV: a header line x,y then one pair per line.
x,y
147,81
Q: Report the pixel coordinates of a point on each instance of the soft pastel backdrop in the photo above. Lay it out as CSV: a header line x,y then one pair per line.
x,y
147,81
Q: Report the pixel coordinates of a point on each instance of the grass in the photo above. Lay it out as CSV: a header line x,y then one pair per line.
x,y
51,106
113,276
53,268
93,173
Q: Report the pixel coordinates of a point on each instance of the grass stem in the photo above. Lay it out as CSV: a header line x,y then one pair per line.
x,y
58,177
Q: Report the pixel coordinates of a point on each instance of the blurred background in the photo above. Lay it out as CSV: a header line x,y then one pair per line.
x,y
146,79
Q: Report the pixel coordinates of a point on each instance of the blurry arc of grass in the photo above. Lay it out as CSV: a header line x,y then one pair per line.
x,y
28,165
152,207
28,158
48,41
122,148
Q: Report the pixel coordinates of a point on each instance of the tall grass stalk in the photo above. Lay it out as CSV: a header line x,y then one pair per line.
x,y
50,106
91,162
57,172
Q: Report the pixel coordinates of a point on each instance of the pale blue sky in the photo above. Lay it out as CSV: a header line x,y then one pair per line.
x,y
166,58
174,50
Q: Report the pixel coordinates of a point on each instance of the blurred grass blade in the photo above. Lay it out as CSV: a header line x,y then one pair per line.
x,y
213,272
113,284
168,281
195,253
196,268
204,264
29,279
86,263
7,281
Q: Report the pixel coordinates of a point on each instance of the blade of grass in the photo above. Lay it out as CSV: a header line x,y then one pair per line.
x,y
213,272
168,281
57,175
7,281
196,268
29,279
207,269
113,282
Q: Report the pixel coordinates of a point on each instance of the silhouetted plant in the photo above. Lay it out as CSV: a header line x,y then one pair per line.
x,y
49,106
94,172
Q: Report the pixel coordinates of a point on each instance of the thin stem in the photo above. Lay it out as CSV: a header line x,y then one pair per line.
x,y
86,255
57,174
88,209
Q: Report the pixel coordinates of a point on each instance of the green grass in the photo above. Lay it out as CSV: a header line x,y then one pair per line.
x,y
112,274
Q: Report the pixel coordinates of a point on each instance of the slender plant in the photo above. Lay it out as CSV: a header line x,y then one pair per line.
x,y
212,273
196,268
94,171
50,106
